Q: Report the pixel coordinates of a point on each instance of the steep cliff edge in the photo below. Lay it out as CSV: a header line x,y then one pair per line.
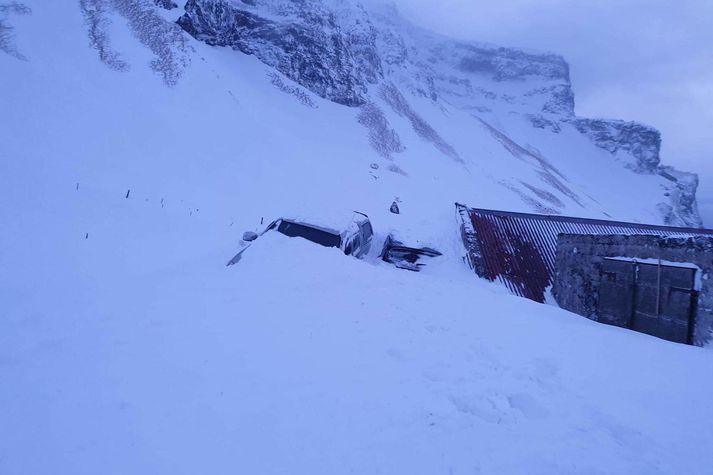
x,y
639,147
332,55
493,126
349,54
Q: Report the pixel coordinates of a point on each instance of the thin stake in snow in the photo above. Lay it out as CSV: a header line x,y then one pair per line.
x,y
127,193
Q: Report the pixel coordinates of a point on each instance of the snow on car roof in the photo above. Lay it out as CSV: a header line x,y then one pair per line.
x,y
333,222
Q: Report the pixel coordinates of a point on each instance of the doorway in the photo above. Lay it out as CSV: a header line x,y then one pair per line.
x,y
648,297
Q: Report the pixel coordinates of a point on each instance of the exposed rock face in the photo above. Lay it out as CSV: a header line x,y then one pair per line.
x,y
508,64
398,103
682,207
333,56
164,39
352,55
627,139
338,50
639,146
383,138
7,37
167,4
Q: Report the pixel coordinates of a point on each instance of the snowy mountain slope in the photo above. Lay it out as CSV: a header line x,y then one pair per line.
x,y
350,54
127,346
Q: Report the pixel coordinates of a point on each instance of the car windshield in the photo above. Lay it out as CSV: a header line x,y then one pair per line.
x,y
316,235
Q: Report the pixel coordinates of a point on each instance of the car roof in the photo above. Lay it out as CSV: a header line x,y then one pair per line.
x,y
312,225
330,222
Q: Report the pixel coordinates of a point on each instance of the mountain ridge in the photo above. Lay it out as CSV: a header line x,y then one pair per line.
x,y
371,51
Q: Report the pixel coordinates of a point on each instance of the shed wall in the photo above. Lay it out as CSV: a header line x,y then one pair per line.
x,y
579,261
519,249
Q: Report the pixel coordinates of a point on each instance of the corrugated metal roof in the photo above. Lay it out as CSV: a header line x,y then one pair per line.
x,y
519,249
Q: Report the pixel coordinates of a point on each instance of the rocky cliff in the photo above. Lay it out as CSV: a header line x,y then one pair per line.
x,y
639,147
348,53
332,54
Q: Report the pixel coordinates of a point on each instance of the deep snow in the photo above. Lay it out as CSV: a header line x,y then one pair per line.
x,y
127,346
301,360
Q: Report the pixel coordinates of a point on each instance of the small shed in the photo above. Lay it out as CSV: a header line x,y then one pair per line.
x,y
659,285
520,250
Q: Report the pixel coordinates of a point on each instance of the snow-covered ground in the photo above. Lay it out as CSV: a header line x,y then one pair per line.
x,y
127,346
301,360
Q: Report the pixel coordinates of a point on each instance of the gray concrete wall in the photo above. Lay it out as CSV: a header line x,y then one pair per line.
x,y
579,261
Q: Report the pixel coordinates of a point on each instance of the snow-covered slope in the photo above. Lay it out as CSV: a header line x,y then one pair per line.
x,y
369,57
132,158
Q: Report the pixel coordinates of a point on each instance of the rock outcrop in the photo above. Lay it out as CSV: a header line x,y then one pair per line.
x,y
166,4
354,55
338,50
681,207
629,140
7,36
330,54
639,147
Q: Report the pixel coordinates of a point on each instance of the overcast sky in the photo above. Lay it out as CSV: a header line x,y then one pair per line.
x,y
644,60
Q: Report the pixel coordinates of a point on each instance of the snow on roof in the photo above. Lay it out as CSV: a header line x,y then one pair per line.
x,y
656,262
333,222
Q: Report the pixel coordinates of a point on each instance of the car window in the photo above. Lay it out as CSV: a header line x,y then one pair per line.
x,y
315,235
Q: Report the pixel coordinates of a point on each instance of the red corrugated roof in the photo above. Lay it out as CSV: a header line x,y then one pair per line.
x,y
519,249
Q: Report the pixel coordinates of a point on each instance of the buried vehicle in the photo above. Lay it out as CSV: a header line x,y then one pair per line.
x,y
355,240
405,257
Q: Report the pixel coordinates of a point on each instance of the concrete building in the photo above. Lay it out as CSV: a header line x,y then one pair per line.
x,y
659,285
649,278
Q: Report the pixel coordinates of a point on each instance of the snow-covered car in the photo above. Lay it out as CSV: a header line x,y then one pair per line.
x,y
406,257
354,240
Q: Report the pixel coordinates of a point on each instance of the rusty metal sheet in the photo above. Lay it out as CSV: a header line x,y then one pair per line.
x,y
519,249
